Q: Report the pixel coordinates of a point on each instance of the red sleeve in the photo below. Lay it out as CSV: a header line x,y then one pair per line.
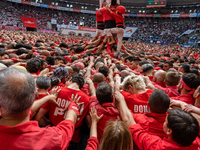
x,y
109,50
92,144
102,10
85,89
66,130
93,101
142,139
46,106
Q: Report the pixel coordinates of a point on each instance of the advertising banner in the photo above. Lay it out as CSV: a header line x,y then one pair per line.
x,y
87,29
129,31
29,22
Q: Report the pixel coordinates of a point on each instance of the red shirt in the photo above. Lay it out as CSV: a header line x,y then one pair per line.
x,y
106,14
171,91
146,141
187,98
137,103
57,114
162,84
99,17
30,136
39,96
119,19
92,144
152,123
60,85
109,50
109,111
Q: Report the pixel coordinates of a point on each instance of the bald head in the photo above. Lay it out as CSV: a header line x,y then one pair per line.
x,y
98,65
124,73
74,57
160,76
98,78
17,90
70,70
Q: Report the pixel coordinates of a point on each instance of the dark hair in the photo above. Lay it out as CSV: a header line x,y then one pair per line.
x,y
63,45
38,44
79,49
130,58
19,45
21,51
43,82
186,68
33,65
2,53
8,64
184,126
40,40
141,63
181,60
191,80
159,101
104,70
114,47
192,61
147,67
27,46
104,93
172,78
76,69
160,65
195,71
60,58
50,60
170,63
78,78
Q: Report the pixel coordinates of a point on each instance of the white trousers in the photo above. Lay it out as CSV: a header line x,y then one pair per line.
x,y
120,34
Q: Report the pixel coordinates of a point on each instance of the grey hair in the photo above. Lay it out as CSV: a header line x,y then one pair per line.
x,y
17,89
147,67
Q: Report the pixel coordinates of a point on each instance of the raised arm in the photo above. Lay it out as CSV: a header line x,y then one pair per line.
x,y
125,113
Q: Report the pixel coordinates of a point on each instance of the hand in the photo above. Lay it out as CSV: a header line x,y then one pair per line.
x,y
189,108
88,81
53,96
94,116
177,103
92,58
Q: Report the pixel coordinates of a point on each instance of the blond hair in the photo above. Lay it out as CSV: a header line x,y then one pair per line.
x,y
136,81
116,136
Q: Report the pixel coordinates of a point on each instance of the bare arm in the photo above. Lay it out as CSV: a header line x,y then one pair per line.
x,y
126,115
95,120
91,87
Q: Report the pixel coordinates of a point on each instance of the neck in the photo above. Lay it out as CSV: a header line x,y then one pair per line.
x,y
74,86
14,119
42,91
140,91
184,92
148,74
197,102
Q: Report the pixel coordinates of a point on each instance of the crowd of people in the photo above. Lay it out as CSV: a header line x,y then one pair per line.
x,y
87,90
83,93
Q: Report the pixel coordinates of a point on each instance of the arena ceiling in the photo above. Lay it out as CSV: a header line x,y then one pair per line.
x,y
139,2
